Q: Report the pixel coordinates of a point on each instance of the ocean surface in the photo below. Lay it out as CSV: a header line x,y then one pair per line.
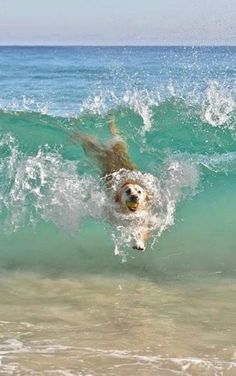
x,y
75,298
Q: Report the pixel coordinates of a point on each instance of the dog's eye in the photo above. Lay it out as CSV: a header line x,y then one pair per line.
x,y
128,191
139,192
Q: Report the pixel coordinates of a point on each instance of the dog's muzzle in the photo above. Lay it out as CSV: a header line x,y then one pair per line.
x,y
132,204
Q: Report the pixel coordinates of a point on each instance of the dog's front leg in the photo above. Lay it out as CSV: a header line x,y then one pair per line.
x,y
140,240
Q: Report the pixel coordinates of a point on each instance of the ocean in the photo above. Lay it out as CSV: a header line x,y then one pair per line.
x,y
75,298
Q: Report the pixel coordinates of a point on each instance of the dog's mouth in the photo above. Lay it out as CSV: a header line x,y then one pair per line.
x,y
132,205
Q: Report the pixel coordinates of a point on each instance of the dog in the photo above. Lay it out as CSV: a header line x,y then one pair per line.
x,y
130,197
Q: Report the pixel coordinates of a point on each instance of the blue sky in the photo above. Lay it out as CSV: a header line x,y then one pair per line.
x,y
113,22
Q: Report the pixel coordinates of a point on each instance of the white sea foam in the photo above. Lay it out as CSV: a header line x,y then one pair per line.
x,y
140,101
25,104
181,365
218,104
185,365
47,187
225,162
218,163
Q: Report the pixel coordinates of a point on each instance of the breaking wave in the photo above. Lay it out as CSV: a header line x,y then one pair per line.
x,y
45,177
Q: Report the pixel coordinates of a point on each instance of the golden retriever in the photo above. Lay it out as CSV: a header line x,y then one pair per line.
x,y
131,196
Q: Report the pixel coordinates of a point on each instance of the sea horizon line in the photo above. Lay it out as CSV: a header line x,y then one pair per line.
x,y
123,45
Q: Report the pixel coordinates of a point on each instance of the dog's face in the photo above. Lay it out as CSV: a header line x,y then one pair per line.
x,y
132,197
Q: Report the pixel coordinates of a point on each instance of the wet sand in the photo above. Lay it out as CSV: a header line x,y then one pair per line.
x,y
117,326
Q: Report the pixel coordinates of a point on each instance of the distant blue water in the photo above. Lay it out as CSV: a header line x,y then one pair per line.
x,y
60,79
175,107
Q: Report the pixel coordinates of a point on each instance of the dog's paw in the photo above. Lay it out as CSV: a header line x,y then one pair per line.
x,y
139,245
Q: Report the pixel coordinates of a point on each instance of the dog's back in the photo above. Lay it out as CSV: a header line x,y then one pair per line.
x,y
111,156
116,157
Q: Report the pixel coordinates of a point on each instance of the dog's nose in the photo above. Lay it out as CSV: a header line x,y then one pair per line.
x,y
134,198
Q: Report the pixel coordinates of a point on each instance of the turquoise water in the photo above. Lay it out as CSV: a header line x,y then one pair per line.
x,y
175,107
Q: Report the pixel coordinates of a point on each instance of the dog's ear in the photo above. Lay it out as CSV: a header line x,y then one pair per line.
x,y
147,198
117,197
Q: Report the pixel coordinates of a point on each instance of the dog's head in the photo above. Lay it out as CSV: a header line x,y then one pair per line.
x,y
132,197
